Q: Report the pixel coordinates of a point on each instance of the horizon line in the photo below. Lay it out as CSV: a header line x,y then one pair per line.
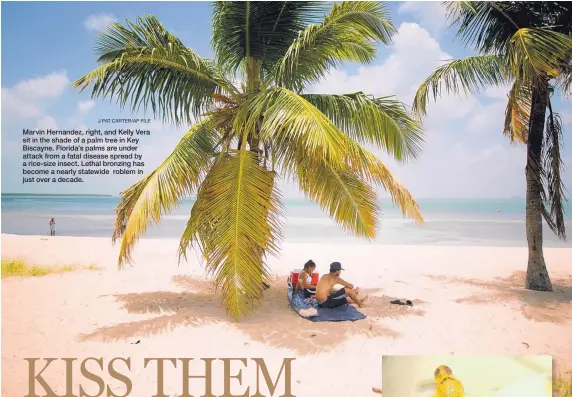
x,y
288,198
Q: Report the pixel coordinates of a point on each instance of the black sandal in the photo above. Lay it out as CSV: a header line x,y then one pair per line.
x,y
398,302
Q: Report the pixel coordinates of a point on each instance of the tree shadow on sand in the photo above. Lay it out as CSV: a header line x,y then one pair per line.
x,y
274,323
553,307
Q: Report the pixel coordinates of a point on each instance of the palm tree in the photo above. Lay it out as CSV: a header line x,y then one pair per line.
x,y
527,45
251,132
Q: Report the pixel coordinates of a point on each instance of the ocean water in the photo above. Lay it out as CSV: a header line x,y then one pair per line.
x,y
487,222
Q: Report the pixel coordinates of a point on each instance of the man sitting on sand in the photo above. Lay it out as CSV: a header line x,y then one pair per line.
x,y
328,298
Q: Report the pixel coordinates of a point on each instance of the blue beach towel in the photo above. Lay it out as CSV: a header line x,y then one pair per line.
x,y
341,313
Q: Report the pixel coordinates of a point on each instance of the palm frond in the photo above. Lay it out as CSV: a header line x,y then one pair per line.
x,y
517,115
469,75
553,192
360,168
282,116
160,192
146,65
485,25
348,34
372,169
488,26
295,126
235,221
383,122
343,194
261,30
538,53
564,81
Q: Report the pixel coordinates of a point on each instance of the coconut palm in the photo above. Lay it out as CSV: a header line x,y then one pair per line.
x,y
529,46
252,122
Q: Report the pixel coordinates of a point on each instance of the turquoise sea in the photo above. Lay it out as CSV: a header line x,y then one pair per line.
x,y
489,222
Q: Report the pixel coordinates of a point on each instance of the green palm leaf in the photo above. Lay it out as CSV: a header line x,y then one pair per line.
x,y
565,80
283,116
238,212
146,65
343,194
469,75
535,54
383,122
260,30
372,170
517,115
553,192
298,129
485,25
348,34
348,181
160,192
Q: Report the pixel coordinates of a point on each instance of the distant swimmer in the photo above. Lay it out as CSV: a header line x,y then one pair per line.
x,y
52,227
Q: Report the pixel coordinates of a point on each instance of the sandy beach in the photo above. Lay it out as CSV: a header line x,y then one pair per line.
x,y
467,300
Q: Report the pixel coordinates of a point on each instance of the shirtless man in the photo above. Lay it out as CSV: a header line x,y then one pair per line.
x,y
328,298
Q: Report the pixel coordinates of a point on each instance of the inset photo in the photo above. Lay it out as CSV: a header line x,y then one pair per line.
x,y
467,376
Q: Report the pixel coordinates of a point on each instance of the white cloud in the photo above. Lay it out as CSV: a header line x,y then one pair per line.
x,y
485,154
84,107
487,120
431,14
500,92
25,99
50,86
465,154
99,22
47,122
14,107
413,55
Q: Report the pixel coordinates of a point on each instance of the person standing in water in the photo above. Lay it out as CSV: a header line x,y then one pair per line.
x,y
52,227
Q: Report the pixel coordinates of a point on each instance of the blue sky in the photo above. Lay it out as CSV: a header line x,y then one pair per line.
x,y
46,46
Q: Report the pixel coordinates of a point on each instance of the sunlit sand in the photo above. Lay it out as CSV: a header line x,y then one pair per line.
x,y
465,300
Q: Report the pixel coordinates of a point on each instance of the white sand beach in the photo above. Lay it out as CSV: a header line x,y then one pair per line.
x,y
467,300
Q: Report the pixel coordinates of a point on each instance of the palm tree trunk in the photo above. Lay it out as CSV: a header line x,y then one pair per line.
x,y
253,68
537,277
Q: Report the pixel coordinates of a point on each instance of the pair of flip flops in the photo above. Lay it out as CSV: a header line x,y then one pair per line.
x,y
398,302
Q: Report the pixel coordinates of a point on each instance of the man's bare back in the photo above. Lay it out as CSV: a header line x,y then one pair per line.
x,y
328,298
325,285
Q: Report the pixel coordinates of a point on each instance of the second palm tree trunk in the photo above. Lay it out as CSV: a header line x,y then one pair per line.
x,y
537,277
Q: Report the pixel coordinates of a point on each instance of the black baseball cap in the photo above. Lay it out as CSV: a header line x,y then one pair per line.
x,y
335,266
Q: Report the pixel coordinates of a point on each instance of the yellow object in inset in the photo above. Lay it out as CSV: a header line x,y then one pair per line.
x,y
446,385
